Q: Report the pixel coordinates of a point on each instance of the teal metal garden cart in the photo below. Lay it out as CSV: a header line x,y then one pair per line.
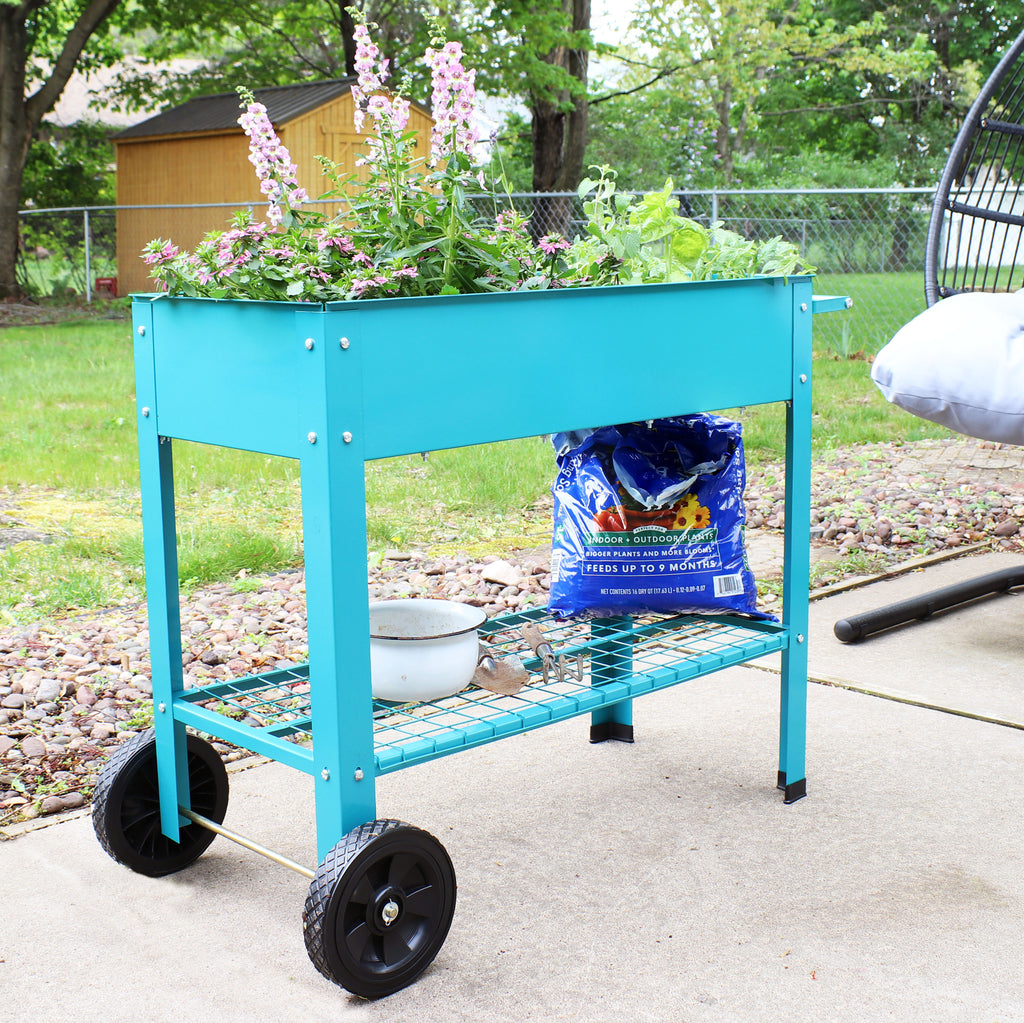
x,y
336,386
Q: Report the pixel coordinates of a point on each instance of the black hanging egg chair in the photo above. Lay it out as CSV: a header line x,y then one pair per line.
x,y
975,233
975,243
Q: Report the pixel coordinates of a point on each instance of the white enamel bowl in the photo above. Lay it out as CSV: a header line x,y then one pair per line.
x,y
422,649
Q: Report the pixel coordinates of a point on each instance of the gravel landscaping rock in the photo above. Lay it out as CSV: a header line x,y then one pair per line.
x,y
71,690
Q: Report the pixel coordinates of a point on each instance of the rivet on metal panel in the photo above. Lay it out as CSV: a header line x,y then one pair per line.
x,y
309,344
311,437
347,437
800,637
344,342
803,378
325,774
358,774
803,307
162,707
145,412
142,331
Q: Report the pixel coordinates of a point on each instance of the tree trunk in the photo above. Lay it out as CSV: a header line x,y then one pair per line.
x,y
20,114
559,134
14,141
578,119
348,26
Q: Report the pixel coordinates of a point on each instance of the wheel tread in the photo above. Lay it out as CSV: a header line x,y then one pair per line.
x,y
327,876
331,891
108,772
127,781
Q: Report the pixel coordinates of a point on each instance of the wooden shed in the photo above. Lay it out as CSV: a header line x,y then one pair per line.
x,y
196,154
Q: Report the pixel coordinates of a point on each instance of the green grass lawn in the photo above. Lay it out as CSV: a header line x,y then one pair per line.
x,y
882,303
69,467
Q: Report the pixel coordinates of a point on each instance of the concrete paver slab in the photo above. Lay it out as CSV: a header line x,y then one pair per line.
x,y
970,657
663,881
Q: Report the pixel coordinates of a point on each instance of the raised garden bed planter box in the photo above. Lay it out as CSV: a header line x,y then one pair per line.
x,y
338,385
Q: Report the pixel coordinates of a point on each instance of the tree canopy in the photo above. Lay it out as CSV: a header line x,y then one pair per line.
x,y
41,44
709,92
873,91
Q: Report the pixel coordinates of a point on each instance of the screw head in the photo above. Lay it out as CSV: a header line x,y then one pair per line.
x,y
358,775
142,332
311,437
347,437
803,378
803,307
389,913
309,344
145,412
325,774
344,342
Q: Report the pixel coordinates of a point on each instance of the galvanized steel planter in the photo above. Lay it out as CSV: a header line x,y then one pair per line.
x,y
335,386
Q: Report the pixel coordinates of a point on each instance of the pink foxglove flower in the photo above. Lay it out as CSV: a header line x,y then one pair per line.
x,y
274,168
453,98
368,96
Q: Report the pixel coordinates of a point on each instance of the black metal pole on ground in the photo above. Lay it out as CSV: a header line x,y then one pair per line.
x,y
848,630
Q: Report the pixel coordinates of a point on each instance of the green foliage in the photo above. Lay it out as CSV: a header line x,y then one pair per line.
x,y
646,240
511,158
728,57
650,135
899,122
69,168
246,43
72,167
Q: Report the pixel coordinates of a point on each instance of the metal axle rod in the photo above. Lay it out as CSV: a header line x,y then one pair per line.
x,y
247,843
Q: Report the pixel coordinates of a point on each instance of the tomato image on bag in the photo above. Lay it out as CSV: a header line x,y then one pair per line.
x,y
650,517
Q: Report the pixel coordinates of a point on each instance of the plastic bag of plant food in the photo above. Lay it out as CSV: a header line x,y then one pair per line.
x,y
650,517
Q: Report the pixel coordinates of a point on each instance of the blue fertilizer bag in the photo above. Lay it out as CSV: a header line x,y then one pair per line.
x,y
650,517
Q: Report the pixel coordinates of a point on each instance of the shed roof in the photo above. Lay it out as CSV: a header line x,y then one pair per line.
x,y
221,111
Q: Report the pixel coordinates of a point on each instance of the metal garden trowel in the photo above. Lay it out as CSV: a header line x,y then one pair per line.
x,y
549,662
504,675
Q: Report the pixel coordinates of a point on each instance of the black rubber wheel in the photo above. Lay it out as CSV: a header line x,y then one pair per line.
x,y
379,908
126,806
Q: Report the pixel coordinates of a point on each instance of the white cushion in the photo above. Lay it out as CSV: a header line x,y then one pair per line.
x,y
960,363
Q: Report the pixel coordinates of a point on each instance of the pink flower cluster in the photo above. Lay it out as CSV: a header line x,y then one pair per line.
x,y
159,253
368,93
552,243
218,257
453,101
273,163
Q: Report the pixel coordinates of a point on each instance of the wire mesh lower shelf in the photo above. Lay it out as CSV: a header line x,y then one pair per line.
x,y
604,661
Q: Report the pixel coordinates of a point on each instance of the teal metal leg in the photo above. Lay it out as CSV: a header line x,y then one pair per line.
x,y
165,637
793,712
334,544
609,662
156,475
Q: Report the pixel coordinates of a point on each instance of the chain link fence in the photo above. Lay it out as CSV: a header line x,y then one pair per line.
x,y
866,243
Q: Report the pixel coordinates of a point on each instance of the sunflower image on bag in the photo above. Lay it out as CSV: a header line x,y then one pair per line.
x,y
649,517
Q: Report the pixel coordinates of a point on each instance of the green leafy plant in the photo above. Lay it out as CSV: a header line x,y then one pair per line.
x,y
647,240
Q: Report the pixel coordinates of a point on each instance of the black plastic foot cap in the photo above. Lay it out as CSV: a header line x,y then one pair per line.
x,y
611,730
797,790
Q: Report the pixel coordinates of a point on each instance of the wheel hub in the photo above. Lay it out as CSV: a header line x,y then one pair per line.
x,y
386,909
